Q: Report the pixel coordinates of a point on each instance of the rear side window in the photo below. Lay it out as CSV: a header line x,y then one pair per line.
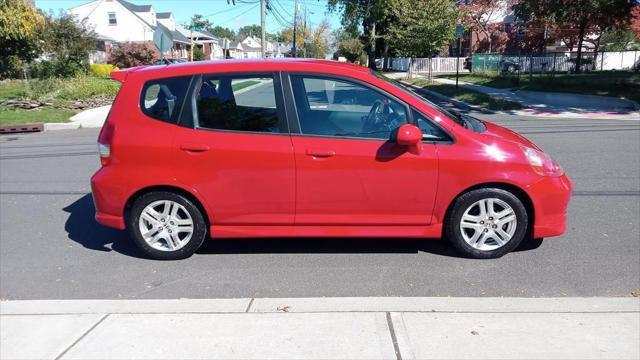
x,y
162,99
238,103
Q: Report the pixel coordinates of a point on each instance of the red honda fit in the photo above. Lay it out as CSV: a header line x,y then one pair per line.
x,y
311,148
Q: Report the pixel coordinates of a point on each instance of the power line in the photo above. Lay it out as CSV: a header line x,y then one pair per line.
x,y
242,13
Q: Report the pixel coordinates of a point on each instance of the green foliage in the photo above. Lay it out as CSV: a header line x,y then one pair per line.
x,y
422,27
198,54
20,26
21,116
59,90
222,32
67,44
310,42
249,30
133,54
617,40
102,70
351,48
199,23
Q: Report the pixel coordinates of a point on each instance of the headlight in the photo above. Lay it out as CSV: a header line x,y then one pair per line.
x,y
542,163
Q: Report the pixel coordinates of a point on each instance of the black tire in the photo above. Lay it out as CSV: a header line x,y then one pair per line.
x,y
197,237
460,205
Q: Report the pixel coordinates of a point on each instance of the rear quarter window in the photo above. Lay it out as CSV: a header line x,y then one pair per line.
x,y
162,99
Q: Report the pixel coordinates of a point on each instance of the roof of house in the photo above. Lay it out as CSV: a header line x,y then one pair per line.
x,y
163,15
134,7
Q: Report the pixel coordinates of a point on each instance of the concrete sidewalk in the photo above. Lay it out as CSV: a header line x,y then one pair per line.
x,y
553,104
322,328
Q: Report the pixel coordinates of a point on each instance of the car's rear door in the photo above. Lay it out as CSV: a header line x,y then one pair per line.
x,y
238,155
347,171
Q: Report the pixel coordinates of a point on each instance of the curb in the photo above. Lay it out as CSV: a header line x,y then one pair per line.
x,y
331,304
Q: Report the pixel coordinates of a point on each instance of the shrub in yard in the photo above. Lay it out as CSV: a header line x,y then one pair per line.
x,y
198,54
67,43
102,70
133,54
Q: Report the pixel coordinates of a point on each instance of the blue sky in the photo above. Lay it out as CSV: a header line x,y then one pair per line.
x,y
245,12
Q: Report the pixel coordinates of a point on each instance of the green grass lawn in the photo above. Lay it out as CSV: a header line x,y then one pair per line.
x,y
244,84
608,83
469,96
59,90
22,116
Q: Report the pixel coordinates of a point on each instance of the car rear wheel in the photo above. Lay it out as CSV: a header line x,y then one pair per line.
x,y
166,226
486,223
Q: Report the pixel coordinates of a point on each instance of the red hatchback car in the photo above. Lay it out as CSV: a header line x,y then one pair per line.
x,y
312,148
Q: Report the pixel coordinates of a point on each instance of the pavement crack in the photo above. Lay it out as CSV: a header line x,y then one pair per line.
x,y
249,306
394,339
82,336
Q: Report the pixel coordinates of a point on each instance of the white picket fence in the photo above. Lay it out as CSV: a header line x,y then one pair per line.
x,y
421,65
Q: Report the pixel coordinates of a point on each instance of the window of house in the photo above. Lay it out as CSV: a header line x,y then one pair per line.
x,y
239,103
112,18
162,99
332,107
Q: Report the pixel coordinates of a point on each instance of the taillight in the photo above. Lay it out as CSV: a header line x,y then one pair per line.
x,y
542,163
104,143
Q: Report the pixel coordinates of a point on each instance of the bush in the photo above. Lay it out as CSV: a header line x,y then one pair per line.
x,y
56,68
133,54
198,54
102,70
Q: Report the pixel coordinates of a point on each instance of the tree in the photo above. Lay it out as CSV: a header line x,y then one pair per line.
x,y
133,54
249,30
635,21
311,42
67,44
423,27
222,32
351,49
199,23
20,26
586,16
481,16
370,14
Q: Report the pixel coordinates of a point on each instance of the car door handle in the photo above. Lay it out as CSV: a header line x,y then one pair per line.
x,y
320,153
194,147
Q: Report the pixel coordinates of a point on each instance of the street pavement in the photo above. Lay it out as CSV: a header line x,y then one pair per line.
x,y
51,247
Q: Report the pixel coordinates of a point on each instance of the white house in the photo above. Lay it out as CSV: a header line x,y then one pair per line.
x,y
250,48
119,21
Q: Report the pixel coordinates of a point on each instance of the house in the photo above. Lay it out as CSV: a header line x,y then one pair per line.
x,y
251,48
119,21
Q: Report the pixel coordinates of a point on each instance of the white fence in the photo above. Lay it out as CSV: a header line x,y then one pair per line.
x,y
438,64
561,61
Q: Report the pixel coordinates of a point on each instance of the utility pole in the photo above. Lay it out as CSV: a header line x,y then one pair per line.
x,y
295,25
191,51
262,16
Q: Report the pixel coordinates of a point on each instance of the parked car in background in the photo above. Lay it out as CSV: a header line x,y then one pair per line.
x,y
468,63
508,66
168,61
312,148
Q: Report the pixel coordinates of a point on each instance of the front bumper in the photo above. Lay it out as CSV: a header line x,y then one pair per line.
x,y
550,196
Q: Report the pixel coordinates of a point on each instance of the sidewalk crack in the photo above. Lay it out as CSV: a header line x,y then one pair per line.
x,y
249,306
396,348
82,336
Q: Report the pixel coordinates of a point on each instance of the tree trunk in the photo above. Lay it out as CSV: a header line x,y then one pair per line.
x,y
385,57
583,27
371,49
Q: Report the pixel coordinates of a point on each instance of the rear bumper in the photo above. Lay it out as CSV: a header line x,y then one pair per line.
x,y
109,201
551,197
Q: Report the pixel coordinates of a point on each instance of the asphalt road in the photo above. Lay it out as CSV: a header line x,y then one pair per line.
x,y
51,247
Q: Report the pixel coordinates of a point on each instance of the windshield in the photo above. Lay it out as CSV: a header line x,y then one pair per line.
x,y
465,120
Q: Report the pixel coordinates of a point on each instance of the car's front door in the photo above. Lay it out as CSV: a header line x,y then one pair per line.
x,y
347,171
238,155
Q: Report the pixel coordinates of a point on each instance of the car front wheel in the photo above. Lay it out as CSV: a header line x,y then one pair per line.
x,y
166,226
486,223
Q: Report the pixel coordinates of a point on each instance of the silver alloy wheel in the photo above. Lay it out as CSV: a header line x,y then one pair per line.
x,y
488,224
166,225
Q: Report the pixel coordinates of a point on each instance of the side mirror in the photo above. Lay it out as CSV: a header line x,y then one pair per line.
x,y
410,136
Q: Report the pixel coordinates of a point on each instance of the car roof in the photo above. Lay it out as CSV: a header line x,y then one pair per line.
x,y
244,65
